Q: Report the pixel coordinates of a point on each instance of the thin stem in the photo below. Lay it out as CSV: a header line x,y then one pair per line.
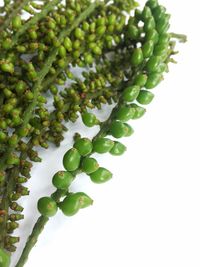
x,y
181,37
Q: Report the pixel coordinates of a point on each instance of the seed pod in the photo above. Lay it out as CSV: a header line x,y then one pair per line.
x,y
71,159
118,149
138,111
62,179
137,57
153,80
145,97
89,165
84,146
4,258
130,93
102,175
124,113
47,206
89,119
117,129
102,145
72,203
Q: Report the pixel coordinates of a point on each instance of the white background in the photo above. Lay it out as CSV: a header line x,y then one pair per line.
x,y
148,215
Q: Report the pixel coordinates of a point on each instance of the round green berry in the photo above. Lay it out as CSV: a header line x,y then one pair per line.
x,y
102,175
140,80
89,119
118,149
130,93
117,129
129,130
102,145
124,113
16,22
145,97
153,80
47,206
138,111
89,165
153,63
62,179
84,146
148,48
71,159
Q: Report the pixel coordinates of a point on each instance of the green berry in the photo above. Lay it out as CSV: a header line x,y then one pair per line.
x,y
130,93
16,22
159,12
152,35
152,3
146,13
133,32
72,203
20,87
71,159
153,63
62,51
153,80
3,136
62,179
138,111
102,145
117,129
4,258
7,67
124,113
149,24
137,57
102,175
84,146
118,149
129,130
140,80
145,97
89,165
47,206
79,34
68,44
89,119
148,49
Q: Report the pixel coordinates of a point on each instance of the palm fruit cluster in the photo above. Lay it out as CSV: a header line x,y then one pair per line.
x,y
121,59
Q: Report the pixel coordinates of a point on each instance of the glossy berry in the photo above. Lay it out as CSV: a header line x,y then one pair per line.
x,y
118,149
7,67
89,119
62,179
129,130
130,93
153,63
153,80
102,145
102,175
124,113
148,48
140,80
145,97
16,22
89,165
138,111
72,203
137,57
71,159
117,129
152,35
84,146
133,32
4,258
47,206
152,3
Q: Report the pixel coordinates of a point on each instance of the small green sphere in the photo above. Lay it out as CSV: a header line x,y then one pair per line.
x,y
71,159
130,93
153,80
89,119
84,146
137,57
145,97
89,165
47,206
102,145
4,258
117,129
124,113
62,179
100,176
118,149
16,22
